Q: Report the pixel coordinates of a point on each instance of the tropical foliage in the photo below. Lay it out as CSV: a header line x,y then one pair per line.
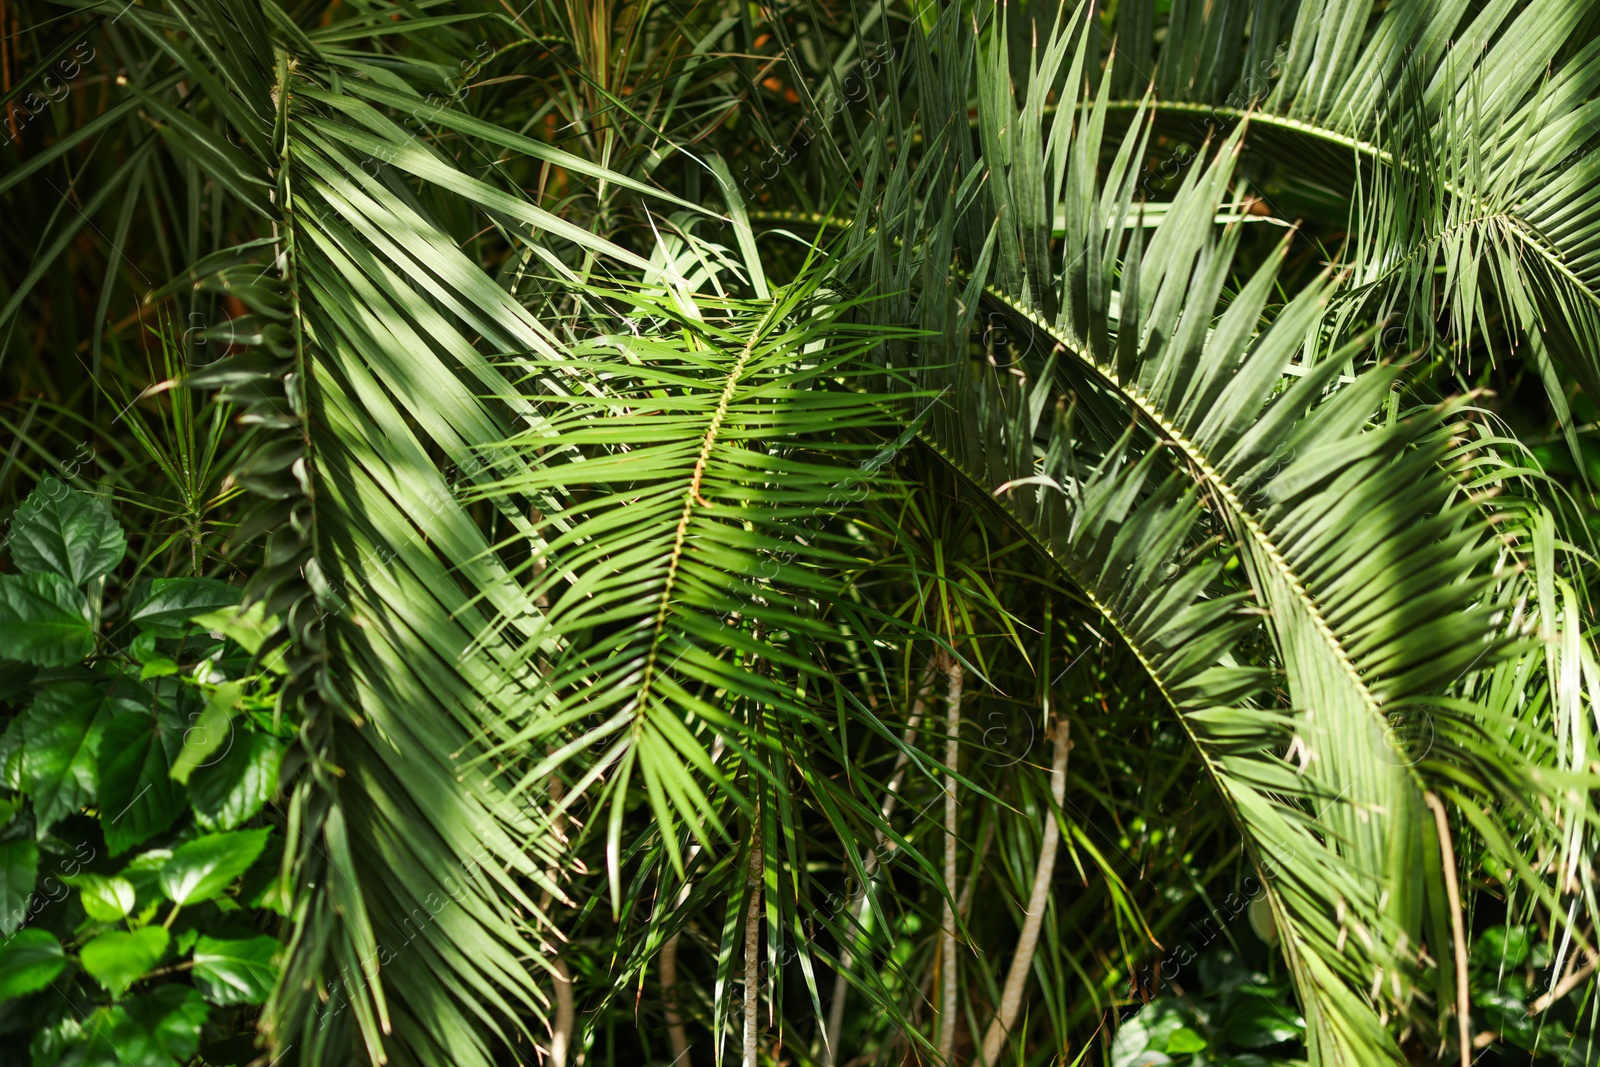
x,y
873,533
163,730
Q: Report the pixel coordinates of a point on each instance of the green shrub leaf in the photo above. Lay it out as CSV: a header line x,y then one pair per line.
x,y
1258,1021
19,871
118,959
213,731
51,1043
44,620
29,961
62,729
172,602
105,899
206,866
231,789
62,531
235,972
11,755
173,1016
249,628
1502,947
138,799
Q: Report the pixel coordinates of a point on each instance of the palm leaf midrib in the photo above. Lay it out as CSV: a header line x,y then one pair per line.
x,y
1218,775
1524,230
1207,475
692,497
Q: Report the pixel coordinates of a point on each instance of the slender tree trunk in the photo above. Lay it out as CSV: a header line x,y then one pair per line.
x,y
561,1034
669,996
891,797
565,1022
755,870
1028,940
948,971
1447,853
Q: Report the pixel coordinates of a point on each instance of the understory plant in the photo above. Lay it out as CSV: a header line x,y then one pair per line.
x,y
139,752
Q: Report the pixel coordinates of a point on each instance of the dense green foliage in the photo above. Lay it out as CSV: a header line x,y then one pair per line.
x,y
870,534
134,856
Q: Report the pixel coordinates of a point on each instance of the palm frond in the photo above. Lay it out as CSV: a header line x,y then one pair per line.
x,y
1135,337
376,567
1466,134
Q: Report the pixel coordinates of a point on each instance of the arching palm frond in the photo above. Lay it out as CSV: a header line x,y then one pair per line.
x,y
1365,570
415,920
1472,129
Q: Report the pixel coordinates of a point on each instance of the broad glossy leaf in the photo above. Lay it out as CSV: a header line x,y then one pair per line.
x,y
63,531
172,602
232,788
118,958
211,738
1141,1041
143,647
143,872
158,667
44,620
52,1042
206,866
105,898
1502,946
249,628
19,871
111,1038
235,972
62,729
29,961
138,798
1183,1041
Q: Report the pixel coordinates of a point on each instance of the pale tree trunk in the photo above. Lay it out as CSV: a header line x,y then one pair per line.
x,y
565,1021
669,995
948,971
1447,854
755,870
1033,920
561,1035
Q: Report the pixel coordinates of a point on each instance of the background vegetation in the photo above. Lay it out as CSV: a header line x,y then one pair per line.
x,y
808,533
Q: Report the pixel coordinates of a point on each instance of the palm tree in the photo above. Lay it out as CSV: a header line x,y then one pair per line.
x,y
839,535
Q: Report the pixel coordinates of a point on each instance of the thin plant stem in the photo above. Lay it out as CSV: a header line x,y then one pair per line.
x,y
754,870
949,979
1038,899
